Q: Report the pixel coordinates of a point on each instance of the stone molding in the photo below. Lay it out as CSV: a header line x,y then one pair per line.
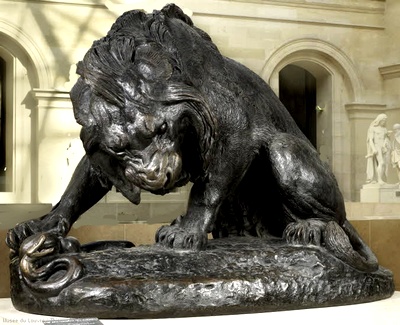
x,y
354,6
91,3
365,110
357,15
390,71
24,47
52,98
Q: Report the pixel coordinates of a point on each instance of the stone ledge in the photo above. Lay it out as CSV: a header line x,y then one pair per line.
x,y
390,71
372,211
11,214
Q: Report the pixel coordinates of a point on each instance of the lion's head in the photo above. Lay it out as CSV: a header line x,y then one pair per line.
x,y
144,125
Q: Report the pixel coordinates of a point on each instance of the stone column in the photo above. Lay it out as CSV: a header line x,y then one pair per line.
x,y
57,131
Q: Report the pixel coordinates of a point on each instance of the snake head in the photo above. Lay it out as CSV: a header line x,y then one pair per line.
x,y
39,245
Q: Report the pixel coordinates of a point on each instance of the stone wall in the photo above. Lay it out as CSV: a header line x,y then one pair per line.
x,y
351,49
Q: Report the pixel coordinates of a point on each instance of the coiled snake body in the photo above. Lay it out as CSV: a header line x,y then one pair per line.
x,y
44,270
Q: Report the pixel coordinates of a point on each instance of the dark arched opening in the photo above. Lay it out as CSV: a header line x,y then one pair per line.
x,y
3,126
298,92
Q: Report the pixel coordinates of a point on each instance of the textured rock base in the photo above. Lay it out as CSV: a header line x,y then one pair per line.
x,y
234,275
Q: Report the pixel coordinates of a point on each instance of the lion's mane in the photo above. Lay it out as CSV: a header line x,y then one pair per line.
x,y
138,61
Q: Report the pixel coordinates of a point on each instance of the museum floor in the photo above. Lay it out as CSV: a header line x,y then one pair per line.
x,y
384,312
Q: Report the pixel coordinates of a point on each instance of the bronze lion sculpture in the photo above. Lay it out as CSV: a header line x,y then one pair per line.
x,y
160,107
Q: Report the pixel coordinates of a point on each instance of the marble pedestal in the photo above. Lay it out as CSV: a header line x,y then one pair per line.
x,y
388,193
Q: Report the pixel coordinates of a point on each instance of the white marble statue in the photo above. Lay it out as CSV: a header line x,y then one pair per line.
x,y
378,150
396,149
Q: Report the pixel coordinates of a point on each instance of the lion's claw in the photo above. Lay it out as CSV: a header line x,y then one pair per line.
x,y
177,237
305,232
20,232
16,236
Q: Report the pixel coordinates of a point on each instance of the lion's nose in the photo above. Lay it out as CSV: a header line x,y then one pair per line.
x,y
153,174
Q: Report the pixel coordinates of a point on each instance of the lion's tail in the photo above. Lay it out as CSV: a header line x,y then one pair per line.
x,y
346,244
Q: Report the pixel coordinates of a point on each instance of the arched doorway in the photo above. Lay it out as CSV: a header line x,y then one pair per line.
x,y
3,154
298,92
308,95
337,84
17,148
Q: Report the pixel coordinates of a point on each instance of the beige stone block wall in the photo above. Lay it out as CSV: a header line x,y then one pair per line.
x,y
4,269
382,236
348,42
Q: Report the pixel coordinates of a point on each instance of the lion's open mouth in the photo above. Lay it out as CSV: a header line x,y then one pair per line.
x,y
161,172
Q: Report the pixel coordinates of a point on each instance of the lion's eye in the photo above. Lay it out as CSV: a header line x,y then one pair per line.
x,y
163,128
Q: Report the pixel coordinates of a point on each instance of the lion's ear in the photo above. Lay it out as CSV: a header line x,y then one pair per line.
x,y
151,62
173,11
80,96
90,139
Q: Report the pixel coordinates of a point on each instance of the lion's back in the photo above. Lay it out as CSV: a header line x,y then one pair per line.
x,y
243,91
237,96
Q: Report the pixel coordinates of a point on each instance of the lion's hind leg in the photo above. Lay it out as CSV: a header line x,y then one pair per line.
x,y
313,207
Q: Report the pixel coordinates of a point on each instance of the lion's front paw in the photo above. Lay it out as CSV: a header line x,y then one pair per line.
x,y
23,230
305,232
176,237
20,232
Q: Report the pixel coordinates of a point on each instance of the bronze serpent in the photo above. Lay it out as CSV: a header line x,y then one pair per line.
x,y
41,264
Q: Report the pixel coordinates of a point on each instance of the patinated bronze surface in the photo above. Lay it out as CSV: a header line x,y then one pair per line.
x,y
232,275
159,107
